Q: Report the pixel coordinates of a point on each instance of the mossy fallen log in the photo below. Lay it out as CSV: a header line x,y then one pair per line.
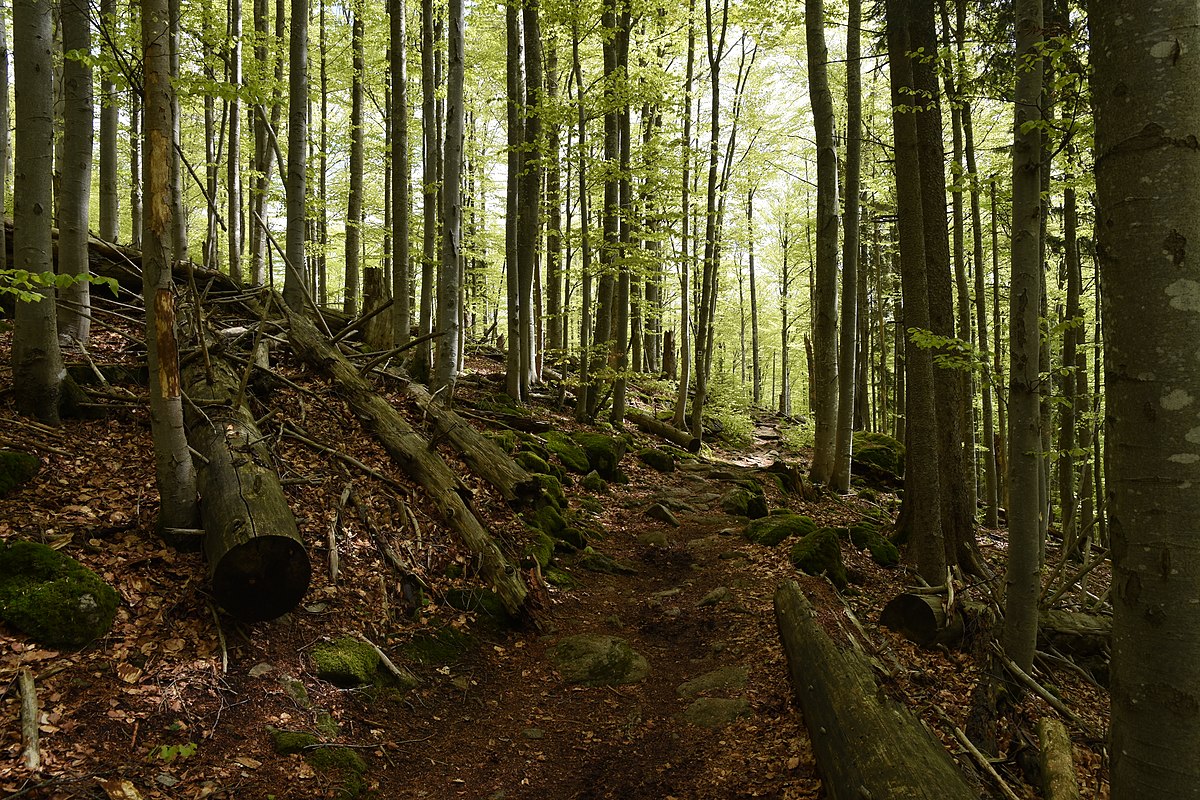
x,y
412,452
665,430
256,558
866,745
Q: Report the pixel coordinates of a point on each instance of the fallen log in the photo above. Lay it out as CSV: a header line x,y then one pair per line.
x,y
922,619
412,452
1074,632
664,430
256,557
516,485
1056,760
866,745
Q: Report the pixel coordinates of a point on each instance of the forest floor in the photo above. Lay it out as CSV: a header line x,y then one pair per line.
x,y
178,700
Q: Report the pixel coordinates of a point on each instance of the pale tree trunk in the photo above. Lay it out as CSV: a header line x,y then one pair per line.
x,y
74,314
825,313
622,317
297,181
37,368
785,372
1071,331
110,226
1022,579
586,389
529,191
755,354
555,311
515,86
5,157
354,203
135,169
321,223
233,166
1147,116
848,345
210,248
174,471
401,284
922,490
179,233
264,153
680,418
449,281
423,357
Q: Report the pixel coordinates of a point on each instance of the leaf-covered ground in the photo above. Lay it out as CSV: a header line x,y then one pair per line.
x,y
179,701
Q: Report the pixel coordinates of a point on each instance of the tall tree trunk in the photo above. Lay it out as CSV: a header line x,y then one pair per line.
x,y
37,369
922,478
354,203
680,418
1022,580
529,205
1073,324
847,345
825,313
555,311
135,169
296,185
1145,89
431,151
755,350
110,226
623,312
74,316
401,270
179,233
515,86
449,281
586,387
233,172
176,477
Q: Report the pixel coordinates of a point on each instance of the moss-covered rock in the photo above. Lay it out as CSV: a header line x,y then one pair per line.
x,y
560,578
880,451
547,519
571,538
821,552
346,662
883,552
742,501
288,743
594,483
551,493
598,660
540,550
15,469
532,462
601,562
716,712
774,528
483,602
657,459
604,453
570,454
343,763
444,646
592,505
52,597
505,440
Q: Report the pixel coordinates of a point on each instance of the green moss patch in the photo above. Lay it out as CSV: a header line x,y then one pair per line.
x,y
743,501
443,646
505,440
657,459
551,493
594,483
16,468
560,578
532,462
598,660
343,763
866,536
773,529
540,550
821,552
880,451
604,453
52,597
570,454
288,743
346,662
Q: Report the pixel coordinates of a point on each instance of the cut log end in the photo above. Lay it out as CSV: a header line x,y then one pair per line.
x,y
922,619
262,578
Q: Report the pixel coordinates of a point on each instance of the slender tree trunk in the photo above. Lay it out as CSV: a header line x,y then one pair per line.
x,y
37,369
401,270
1071,328
555,311
680,418
1145,87
422,358
529,205
755,350
354,203
135,169
74,317
110,226
847,346
1024,530
515,86
297,181
623,312
233,173
174,471
445,369
825,313
179,234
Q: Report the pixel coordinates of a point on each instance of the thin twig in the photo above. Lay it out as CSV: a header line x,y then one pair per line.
x,y
298,435
979,757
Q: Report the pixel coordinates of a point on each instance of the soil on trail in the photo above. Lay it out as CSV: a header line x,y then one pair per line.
x,y
180,701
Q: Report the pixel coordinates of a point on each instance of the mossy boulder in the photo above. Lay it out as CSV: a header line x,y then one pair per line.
x,y
532,462
571,538
866,536
657,459
505,440
483,602
570,454
551,493
52,597
716,712
346,662
598,660
602,562
288,743
774,528
343,763
821,552
879,450
16,468
594,483
540,551
743,501
443,646
547,519
722,679
560,578
604,453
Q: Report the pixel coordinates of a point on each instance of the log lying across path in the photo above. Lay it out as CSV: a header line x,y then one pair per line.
x,y
256,558
667,431
866,745
412,452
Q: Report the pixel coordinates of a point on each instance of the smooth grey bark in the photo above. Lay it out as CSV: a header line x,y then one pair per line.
x,y
401,270
264,128
135,168
233,165
586,389
755,354
529,198
847,343
515,87
1072,328
110,225
1022,578
784,233
824,380
922,479
179,233
556,326
295,276
354,202
445,369
680,418
623,316
74,316
1147,173
37,368
5,152
174,471
423,357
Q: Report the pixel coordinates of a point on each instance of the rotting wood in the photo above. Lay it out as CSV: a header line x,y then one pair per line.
x,y
664,430
256,557
865,744
922,618
1056,761
413,453
31,754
